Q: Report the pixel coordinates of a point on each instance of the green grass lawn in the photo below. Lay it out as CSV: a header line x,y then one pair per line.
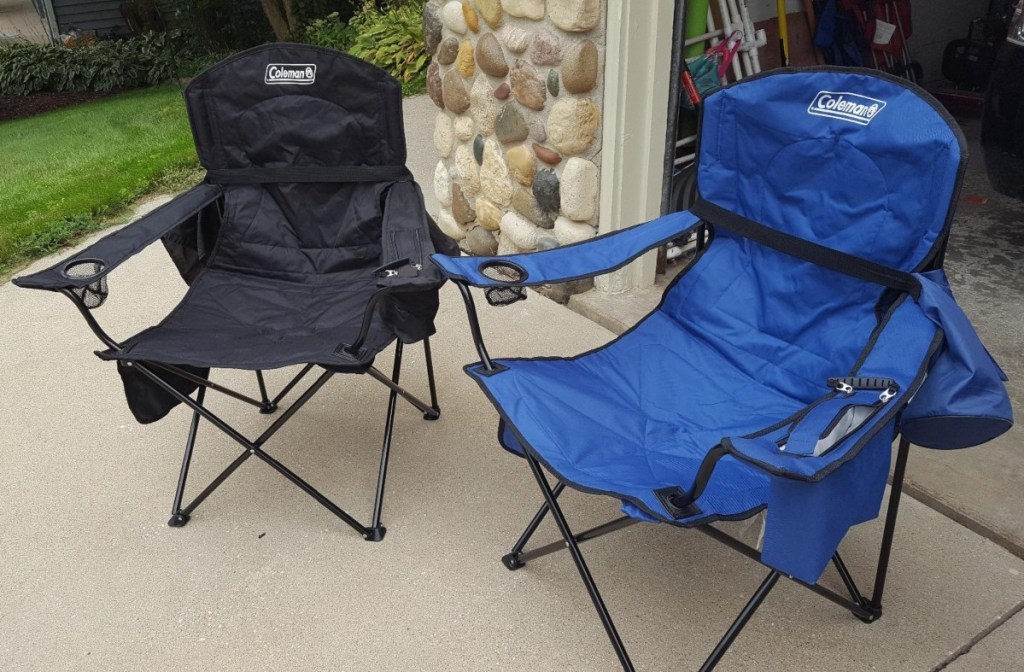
x,y
63,172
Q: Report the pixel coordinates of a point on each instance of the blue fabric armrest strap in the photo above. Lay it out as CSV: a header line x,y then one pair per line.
x,y
112,250
805,250
602,254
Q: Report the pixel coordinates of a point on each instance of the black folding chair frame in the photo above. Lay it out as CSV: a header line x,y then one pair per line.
x,y
867,609
180,515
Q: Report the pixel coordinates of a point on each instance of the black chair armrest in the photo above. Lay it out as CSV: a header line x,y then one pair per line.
x,y
92,264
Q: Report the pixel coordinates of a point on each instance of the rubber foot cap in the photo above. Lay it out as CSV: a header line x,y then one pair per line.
x,y
376,534
432,415
267,409
512,562
179,520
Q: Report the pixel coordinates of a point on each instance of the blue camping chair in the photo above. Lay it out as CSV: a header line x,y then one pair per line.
x,y
778,368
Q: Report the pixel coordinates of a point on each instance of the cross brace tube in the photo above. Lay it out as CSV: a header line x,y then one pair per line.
x,y
866,610
180,514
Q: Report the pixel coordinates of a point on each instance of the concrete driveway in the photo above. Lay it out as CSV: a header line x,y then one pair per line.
x,y
263,579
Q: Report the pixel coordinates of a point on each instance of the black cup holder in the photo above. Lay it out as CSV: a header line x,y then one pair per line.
x,y
503,271
510,275
95,292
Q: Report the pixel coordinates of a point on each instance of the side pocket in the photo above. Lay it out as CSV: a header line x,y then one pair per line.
x,y
844,425
830,423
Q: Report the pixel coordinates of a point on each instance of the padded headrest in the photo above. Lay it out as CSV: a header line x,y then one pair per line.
x,y
852,159
295,105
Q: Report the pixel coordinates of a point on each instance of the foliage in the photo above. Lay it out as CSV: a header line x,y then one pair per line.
x,y
65,172
47,240
416,85
221,25
105,65
330,32
392,39
232,25
307,10
191,65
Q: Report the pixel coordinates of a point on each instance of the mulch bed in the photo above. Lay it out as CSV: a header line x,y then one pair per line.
x,y
17,107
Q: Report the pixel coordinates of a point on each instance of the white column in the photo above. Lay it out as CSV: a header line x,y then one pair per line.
x,y
637,62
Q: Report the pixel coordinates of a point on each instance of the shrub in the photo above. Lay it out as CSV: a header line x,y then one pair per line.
x,y
330,32
392,40
103,66
307,10
221,25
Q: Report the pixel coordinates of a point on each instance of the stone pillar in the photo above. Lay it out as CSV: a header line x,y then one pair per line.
x,y
519,84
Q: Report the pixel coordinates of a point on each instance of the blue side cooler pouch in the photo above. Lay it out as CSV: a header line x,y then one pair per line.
x,y
962,402
807,520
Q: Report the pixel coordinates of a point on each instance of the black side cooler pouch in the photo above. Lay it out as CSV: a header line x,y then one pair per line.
x,y
410,236
149,402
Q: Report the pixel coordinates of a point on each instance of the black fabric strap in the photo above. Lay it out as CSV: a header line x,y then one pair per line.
x,y
306,174
800,248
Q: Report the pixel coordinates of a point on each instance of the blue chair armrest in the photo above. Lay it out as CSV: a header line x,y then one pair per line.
x,y
602,254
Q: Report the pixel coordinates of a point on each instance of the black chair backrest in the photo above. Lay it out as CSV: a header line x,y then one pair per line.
x,y
290,107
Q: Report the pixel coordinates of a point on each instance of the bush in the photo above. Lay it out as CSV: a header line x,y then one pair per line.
x,y
221,25
330,32
392,40
307,10
102,66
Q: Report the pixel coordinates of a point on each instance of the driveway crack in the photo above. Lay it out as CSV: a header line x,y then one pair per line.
x,y
973,641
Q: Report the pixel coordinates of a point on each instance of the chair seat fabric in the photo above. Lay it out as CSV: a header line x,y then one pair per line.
x,y
641,415
237,320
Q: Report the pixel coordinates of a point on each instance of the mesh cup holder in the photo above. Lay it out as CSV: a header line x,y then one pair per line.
x,y
506,272
95,293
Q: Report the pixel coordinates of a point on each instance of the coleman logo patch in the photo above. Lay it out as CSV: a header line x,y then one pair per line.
x,y
290,73
850,107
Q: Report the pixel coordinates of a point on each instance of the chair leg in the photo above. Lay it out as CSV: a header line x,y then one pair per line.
x,y
512,561
266,405
430,381
178,517
251,448
741,621
581,565
377,530
895,493
847,578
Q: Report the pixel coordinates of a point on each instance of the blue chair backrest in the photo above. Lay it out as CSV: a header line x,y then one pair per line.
x,y
854,161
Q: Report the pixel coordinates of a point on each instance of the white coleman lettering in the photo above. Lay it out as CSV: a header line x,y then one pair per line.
x,y
290,73
847,106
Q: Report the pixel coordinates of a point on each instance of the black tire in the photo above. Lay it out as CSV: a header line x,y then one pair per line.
x,y
1002,124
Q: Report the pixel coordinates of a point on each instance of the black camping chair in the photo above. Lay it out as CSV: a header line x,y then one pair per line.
x,y
307,243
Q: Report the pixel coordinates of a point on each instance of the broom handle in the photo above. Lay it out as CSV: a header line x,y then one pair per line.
x,y
783,34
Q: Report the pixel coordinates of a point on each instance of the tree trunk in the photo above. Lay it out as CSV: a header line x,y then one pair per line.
x,y
281,17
